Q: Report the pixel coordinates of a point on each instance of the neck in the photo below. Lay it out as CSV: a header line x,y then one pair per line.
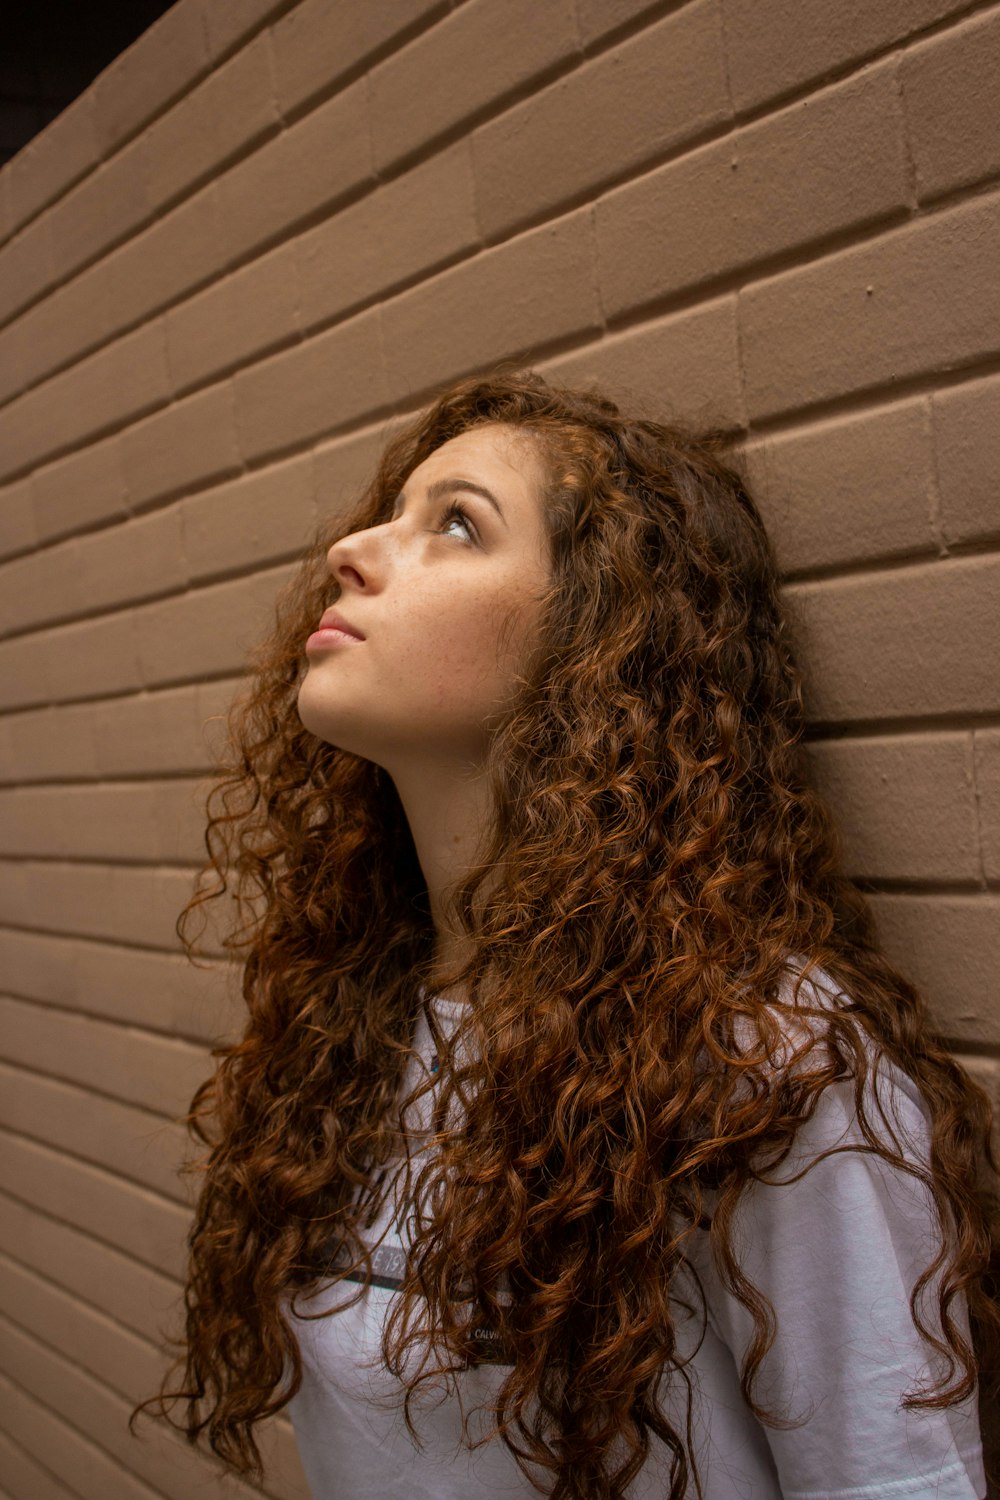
x,y
447,808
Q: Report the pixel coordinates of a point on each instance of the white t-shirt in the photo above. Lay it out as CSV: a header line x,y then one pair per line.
x,y
836,1253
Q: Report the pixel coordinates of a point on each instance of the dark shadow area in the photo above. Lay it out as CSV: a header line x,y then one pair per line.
x,y
50,53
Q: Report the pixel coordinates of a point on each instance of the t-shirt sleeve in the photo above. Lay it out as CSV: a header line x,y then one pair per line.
x,y
837,1254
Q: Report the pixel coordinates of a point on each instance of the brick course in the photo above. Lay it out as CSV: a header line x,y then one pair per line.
x,y
229,271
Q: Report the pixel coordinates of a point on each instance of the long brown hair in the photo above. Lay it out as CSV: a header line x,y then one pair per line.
x,y
655,854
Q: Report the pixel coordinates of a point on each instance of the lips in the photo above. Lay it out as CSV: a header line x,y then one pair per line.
x,y
333,620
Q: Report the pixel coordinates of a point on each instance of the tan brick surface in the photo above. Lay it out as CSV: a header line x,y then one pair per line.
x,y
24,1478
484,52
832,162
879,783
868,654
18,531
919,298
303,393
949,946
85,488
148,822
987,761
967,442
775,46
161,64
106,206
682,365
56,331
306,168
950,93
138,987
69,1456
837,492
25,267
53,160
395,234
209,630
116,903
258,519
522,295
191,442
238,317
228,23
174,256
119,382
316,44
225,115
574,136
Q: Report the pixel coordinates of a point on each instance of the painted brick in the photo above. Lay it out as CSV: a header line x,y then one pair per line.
x,y
598,18
507,301
684,365
867,653
121,564
233,109
950,96
24,667
894,826
119,382
51,744
18,529
159,1073
162,63
260,518
52,160
777,45
144,1226
114,903
25,1479
834,161
967,440
105,207
574,136
306,168
210,630
302,393
76,492
921,298
6,216
25,267
56,331
161,992
949,946
234,320
404,229
91,657
135,1295
316,44
344,467
40,587
848,490
147,821
155,732
176,254
230,22
191,442
484,51
987,752
120,1358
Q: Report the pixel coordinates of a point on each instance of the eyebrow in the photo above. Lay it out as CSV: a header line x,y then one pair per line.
x,y
443,486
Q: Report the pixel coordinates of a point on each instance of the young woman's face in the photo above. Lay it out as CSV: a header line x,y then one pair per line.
x,y
447,603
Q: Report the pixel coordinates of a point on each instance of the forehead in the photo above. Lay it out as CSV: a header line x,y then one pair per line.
x,y
496,453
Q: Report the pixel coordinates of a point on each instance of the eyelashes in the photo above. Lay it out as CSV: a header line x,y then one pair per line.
x,y
456,512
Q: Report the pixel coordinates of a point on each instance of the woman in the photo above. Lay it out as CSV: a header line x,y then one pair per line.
x,y
580,1142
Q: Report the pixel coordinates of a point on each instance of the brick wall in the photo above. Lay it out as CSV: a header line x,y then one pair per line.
x,y
258,241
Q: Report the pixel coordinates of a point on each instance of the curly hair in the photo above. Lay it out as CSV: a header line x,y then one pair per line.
x,y
654,854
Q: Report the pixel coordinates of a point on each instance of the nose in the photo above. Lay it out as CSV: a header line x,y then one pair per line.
x,y
346,559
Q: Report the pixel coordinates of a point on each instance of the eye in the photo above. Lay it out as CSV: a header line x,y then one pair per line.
x,y
457,512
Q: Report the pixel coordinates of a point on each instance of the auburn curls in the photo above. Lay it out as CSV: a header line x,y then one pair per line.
x,y
655,855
